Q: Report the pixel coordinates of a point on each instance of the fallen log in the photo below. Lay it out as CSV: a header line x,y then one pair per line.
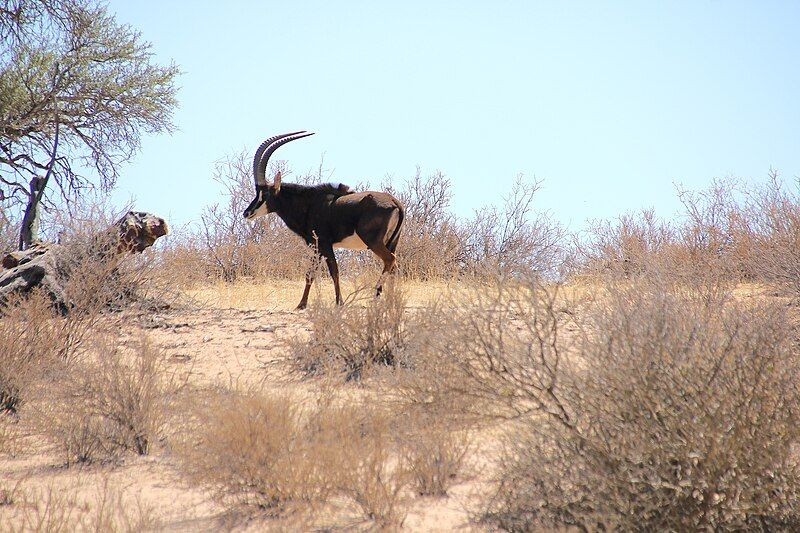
x,y
48,267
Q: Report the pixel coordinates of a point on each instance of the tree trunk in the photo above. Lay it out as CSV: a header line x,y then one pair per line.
x,y
29,233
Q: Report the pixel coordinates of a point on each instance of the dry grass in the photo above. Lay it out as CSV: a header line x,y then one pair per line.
x,y
285,293
353,338
56,508
284,457
434,457
258,450
110,401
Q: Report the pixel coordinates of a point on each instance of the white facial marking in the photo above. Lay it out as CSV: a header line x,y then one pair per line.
x,y
352,242
260,211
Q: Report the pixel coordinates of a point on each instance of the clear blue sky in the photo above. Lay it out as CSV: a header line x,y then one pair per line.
x,y
610,103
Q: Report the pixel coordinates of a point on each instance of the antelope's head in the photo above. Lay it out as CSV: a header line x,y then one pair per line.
x,y
265,192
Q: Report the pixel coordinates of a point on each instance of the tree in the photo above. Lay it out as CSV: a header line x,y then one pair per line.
x,y
77,90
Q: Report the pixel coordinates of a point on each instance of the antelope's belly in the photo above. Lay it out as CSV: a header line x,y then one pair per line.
x,y
351,242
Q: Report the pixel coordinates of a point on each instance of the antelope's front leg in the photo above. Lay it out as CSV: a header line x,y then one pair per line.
x,y
312,270
333,268
304,300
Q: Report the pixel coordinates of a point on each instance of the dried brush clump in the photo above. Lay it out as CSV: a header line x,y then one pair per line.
x,y
30,347
368,473
273,453
770,229
433,458
675,412
259,450
486,351
353,338
109,401
61,508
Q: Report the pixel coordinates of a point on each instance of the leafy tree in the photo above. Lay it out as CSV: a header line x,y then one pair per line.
x,y
77,90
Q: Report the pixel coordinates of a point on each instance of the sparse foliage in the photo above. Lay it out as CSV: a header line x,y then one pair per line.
x,y
233,247
671,411
770,235
368,475
56,508
351,339
77,90
273,453
434,456
509,240
258,450
109,401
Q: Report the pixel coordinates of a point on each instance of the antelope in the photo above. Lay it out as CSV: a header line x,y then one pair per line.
x,y
327,216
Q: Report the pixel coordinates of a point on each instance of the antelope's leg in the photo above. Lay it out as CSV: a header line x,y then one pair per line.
x,y
310,274
333,268
309,280
389,260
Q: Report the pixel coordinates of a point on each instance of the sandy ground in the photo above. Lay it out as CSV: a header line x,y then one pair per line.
x,y
227,335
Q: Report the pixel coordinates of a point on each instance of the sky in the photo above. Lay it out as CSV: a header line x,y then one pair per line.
x,y
610,104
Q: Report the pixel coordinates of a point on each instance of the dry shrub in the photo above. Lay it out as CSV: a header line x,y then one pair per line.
x,y
687,257
673,413
351,339
259,450
54,509
630,245
30,346
109,401
486,350
770,229
433,457
367,473
510,240
711,245
36,341
728,233
284,457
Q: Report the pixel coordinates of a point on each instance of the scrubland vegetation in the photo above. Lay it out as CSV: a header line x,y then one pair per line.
x,y
641,375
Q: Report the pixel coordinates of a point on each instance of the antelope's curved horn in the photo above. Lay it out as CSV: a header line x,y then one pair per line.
x,y
261,180
267,148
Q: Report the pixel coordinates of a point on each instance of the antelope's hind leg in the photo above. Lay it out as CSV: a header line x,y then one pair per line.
x,y
333,268
389,260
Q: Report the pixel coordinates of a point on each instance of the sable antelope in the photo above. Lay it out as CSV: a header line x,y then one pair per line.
x,y
327,216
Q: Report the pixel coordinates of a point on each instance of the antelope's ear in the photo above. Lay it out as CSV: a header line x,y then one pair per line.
x,y
276,184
